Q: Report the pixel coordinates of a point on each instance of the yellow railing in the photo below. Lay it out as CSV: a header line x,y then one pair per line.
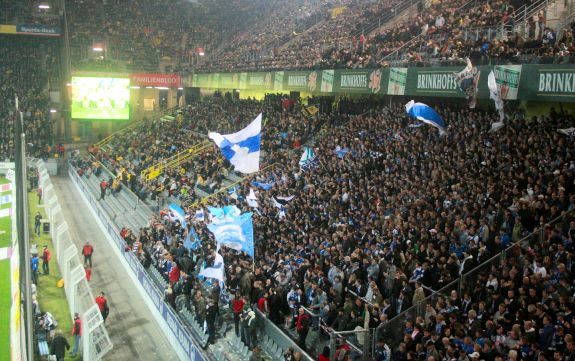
x,y
155,170
224,189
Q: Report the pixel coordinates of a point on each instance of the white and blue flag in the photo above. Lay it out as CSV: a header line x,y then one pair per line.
x,y
200,215
216,271
192,241
242,149
177,213
225,214
308,159
426,114
235,232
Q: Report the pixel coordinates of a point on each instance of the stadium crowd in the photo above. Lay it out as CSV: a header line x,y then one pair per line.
x,y
306,34
24,71
392,212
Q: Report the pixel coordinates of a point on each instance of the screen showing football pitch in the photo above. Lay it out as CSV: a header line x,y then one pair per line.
x,y
100,98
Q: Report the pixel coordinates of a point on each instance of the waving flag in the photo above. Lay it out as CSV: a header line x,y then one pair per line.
x,y
200,215
242,149
341,152
224,214
176,212
196,243
567,131
264,186
494,94
426,114
468,79
235,232
308,159
216,270
252,200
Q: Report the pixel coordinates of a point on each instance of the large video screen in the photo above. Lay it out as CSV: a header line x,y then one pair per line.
x,y
100,98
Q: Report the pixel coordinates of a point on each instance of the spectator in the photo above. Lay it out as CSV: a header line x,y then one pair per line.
x,y
87,252
102,303
59,346
46,257
77,333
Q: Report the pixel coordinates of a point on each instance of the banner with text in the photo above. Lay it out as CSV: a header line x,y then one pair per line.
x,y
157,80
514,82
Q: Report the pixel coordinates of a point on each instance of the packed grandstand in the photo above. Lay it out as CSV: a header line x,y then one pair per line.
x,y
370,229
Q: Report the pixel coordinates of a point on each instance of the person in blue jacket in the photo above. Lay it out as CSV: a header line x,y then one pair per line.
x,y
34,265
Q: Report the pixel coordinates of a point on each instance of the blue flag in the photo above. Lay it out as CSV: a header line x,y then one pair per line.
x,y
196,243
235,232
426,114
264,186
178,213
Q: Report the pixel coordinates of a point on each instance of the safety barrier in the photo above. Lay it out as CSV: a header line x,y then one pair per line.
x,y
95,340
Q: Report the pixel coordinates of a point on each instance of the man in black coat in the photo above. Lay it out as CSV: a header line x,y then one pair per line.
x,y
59,346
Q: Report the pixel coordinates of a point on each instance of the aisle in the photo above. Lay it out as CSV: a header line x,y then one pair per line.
x,y
132,329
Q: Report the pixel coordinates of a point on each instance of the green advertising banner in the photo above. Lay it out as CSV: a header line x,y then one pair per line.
x,y
515,82
301,81
433,82
358,81
397,81
553,82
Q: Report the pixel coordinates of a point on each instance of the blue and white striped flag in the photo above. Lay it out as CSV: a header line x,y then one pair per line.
x,y
426,114
242,148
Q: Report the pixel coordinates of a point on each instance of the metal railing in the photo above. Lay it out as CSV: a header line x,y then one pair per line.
x,y
154,171
95,340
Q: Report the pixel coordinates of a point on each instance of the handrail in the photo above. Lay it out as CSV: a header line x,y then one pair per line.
x,y
175,160
110,172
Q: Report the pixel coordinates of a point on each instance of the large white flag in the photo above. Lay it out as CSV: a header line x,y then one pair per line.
x,y
494,94
242,149
216,271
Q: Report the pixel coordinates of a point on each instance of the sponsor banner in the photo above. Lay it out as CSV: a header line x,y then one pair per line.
x,y
278,80
243,80
157,80
38,30
397,81
7,29
515,82
327,81
259,81
301,81
550,83
359,81
178,330
507,78
433,82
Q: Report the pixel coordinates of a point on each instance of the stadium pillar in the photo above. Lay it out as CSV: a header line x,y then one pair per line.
x,y
22,229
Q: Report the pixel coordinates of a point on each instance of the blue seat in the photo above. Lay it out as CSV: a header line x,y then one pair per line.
x,y
43,348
